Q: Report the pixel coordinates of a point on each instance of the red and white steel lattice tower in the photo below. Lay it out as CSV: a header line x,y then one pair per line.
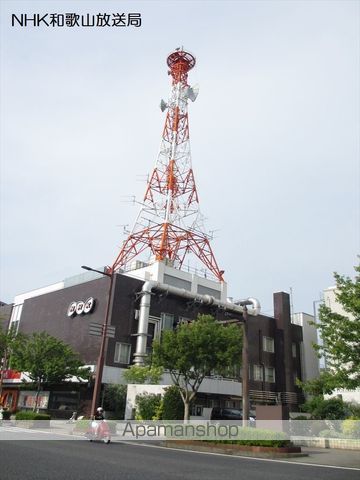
x,y
169,222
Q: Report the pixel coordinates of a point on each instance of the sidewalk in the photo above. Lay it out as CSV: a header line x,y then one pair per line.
x,y
330,456
315,456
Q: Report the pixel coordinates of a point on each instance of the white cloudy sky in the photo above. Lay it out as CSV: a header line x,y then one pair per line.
x,y
274,136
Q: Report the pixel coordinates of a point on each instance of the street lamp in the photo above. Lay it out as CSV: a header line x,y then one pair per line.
x,y
101,358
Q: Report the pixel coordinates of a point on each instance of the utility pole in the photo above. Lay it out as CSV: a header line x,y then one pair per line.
x,y
245,369
102,352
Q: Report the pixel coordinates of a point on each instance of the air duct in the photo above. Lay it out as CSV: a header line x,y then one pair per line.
x,y
146,292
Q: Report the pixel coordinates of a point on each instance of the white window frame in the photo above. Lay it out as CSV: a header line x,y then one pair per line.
x,y
267,377
185,320
268,344
157,330
258,373
15,317
117,353
165,318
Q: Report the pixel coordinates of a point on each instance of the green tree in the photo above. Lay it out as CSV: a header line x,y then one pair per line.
x,y
115,400
143,374
45,359
323,385
341,334
147,406
195,350
330,409
8,340
173,406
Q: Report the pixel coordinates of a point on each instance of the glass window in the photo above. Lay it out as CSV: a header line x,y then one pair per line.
x,y
16,314
258,373
167,321
293,348
184,320
15,317
14,326
268,344
270,374
122,353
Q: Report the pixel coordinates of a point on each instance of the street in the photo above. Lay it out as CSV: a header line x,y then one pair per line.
x,y
83,460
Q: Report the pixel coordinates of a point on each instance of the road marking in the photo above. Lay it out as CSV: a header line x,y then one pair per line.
x,y
241,456
135,443
31,431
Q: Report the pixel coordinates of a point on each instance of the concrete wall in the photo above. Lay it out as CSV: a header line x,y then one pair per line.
x,y
309,359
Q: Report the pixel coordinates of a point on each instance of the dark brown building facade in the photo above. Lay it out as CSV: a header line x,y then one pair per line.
x,y
274,343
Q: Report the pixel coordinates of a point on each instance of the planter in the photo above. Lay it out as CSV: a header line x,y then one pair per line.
x,y
231,449
32,423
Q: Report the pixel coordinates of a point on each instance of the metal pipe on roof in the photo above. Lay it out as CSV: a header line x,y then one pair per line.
x,y
146,292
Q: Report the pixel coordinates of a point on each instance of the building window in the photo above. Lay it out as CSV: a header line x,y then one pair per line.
x,y
270,374
196,410
14,326
258,373
122,353
167,321
293,348
15,317
268,344
184,320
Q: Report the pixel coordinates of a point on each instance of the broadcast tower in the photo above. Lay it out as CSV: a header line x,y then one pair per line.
x,y
169,225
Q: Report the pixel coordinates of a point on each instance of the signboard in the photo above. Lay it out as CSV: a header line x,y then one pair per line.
x,y
11,375
80,307
27,399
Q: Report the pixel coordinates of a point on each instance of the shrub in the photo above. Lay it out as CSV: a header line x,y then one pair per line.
x,y
147,406
115,400
330,409
173,406
27,415
351,427
354,410
300,425
81,425
257,438
6,414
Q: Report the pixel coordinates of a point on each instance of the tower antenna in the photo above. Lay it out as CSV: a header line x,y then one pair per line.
x,y
169,222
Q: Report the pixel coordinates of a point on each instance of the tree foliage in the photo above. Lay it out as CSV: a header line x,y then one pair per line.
x,y
173,406
341,334
325,384
8,340
115,400
143,374
195,350
330,409
147,406
45,359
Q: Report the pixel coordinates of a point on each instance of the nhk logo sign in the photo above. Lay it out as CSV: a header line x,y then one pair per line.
x,y
78,308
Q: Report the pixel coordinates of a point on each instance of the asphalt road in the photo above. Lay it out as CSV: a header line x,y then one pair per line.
x,y
83,460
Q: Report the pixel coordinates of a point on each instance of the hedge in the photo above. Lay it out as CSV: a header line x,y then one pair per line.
x,y
26,415
256,437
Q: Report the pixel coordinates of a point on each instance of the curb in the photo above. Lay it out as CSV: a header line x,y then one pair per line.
x,y
239,450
